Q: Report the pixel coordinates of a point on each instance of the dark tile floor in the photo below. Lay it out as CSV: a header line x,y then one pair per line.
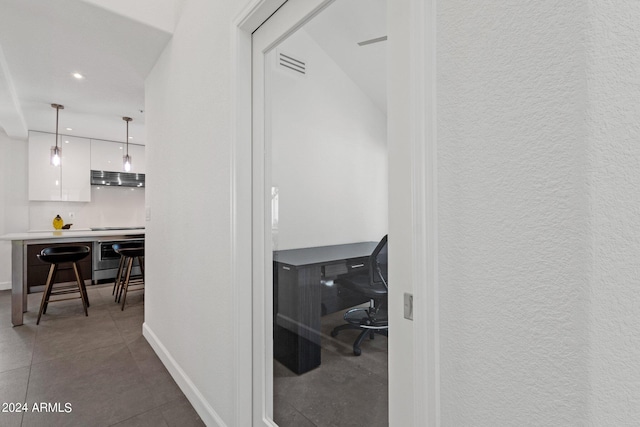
x,y
89,371
345,390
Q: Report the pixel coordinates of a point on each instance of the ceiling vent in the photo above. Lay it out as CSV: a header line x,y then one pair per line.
x,y
291,63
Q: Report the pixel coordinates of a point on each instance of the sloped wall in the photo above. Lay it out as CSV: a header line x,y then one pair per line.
x,y
329,152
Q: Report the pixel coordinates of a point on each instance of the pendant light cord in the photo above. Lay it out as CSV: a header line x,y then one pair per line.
x,y
57,113
58,107
127,119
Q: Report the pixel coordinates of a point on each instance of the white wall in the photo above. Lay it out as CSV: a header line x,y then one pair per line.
x,y
14,209
188,303
538,124
613,154
513,214
109,207
329,152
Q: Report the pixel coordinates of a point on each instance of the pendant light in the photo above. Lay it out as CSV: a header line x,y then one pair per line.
x,y
56,152
126,159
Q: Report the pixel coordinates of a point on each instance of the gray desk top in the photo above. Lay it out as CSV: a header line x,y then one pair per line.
x,y
323,254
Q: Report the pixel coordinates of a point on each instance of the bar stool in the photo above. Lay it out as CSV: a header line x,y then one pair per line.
x,y
116,248
128,255
60,255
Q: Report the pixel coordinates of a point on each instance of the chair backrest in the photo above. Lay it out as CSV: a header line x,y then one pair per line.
x,y
379,264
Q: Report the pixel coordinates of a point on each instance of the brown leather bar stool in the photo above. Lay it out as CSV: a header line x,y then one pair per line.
x,y
61,255
128,255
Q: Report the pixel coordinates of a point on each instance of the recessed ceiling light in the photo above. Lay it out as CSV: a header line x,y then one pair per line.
x,y
78,76
69,129
130,137
66,141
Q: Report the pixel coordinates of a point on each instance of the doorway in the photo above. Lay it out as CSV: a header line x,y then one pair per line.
x,y
414,379
323,188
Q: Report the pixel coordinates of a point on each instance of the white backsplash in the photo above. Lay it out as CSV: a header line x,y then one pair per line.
x,y
109,207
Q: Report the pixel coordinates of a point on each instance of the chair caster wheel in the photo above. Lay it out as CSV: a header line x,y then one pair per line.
x,y
357,351
334,333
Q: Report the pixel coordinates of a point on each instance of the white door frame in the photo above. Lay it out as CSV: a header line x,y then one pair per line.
x,y
412,130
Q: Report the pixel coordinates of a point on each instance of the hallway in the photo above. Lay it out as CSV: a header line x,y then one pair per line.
x,y
99,369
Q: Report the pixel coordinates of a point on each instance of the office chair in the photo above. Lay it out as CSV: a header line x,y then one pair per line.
x,y
374,285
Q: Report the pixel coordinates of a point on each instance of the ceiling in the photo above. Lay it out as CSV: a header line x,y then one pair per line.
x,y
340,27
43,42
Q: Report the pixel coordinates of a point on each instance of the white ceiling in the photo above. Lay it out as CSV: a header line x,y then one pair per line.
x,y
43,42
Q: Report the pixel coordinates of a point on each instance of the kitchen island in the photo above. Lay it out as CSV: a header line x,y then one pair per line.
x,y
20,242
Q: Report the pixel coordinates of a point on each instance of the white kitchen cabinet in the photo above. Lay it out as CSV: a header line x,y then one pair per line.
x,y
107,156
76,169
137,158
45,180
71,181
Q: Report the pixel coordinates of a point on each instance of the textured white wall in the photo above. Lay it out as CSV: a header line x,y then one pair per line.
x,y
513,197
613,118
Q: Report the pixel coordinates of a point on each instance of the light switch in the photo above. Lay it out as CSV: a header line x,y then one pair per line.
x,y
408,306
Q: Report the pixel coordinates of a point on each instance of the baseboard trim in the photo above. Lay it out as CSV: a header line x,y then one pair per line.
x,y
208,415
5,285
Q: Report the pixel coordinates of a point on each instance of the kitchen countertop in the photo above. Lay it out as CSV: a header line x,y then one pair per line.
x,y
69,234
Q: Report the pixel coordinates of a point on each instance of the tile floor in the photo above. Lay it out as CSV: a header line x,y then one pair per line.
x,y
101,365
345,390
106,370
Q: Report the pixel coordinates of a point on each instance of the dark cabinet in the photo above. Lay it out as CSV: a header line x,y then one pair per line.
x,y
37,270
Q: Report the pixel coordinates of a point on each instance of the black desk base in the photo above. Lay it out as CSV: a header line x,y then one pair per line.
x,y
303,292
295,352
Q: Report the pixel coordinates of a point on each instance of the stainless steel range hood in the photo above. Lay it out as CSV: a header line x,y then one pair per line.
x,y
117,179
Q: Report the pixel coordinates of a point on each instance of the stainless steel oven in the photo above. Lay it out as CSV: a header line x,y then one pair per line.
x,y
106,260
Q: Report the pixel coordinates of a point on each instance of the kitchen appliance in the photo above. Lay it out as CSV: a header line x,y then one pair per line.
x,y
117,179
106,260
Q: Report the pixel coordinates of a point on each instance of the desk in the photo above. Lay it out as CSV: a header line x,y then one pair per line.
x,y
303,292
19,243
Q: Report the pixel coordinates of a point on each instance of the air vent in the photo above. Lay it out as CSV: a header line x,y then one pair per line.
x,y
291,63
117,179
